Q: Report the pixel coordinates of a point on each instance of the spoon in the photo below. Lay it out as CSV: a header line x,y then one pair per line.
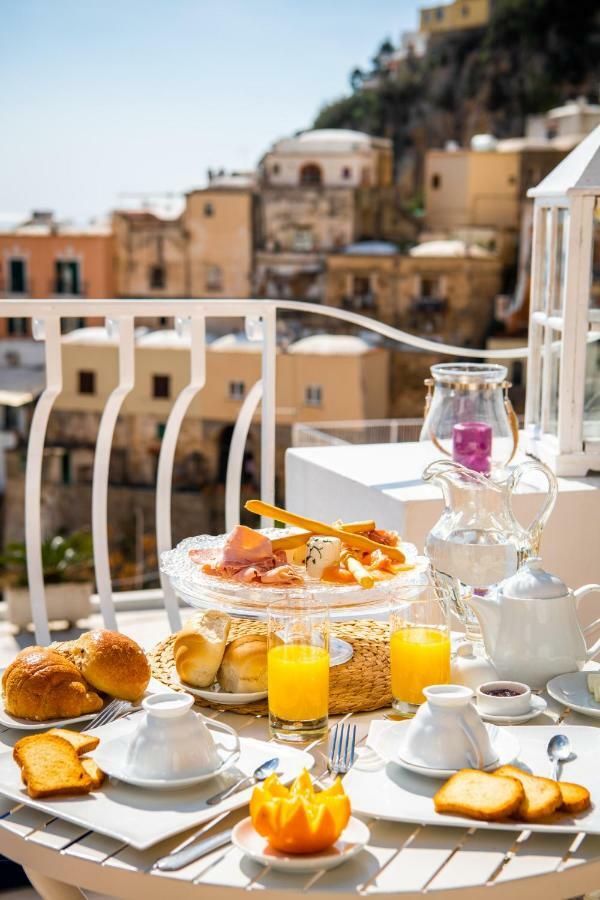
x,y
559,750
263,771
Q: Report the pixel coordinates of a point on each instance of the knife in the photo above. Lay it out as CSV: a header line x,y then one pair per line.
x,y
190,854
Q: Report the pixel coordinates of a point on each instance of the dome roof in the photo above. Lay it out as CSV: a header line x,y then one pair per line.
x,y
330,345
237,342
334,136
451,248
328,140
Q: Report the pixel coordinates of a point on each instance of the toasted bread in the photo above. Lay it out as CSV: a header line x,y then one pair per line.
x,y
94,771
542,795
479,795
83,743
50,766
575,798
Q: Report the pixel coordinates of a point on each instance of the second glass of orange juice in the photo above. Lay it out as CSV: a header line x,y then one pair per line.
x,y
298,669
419,644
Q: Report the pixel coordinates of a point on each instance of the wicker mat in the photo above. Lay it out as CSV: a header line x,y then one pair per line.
x,y
359,685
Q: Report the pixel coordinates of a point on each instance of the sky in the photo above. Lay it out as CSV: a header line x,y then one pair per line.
x,y
104,97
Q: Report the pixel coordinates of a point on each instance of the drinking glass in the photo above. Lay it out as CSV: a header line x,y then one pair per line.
x,y
298,669
419,643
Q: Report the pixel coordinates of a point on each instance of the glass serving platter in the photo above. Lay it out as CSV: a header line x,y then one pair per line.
x,y
252,600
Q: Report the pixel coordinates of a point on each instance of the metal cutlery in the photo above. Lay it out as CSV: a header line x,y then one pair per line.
x,y
114,710
261,772
559,750
342,750
190,854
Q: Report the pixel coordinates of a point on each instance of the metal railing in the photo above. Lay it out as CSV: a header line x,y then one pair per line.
x,y
260,318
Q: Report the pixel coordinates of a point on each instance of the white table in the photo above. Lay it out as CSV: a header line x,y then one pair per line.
x,y
383,482
401,860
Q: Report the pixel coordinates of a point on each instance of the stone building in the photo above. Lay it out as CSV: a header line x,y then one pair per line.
x,y
454,16
444,290
206,251
320,191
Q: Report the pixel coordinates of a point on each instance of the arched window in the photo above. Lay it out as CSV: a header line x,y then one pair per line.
x,y
310,173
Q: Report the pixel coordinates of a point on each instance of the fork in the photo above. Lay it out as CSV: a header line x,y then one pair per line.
x,y
342,751
114,710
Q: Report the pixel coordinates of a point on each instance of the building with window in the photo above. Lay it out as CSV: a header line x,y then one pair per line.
x,y
203,249
454,16
318,192
44,258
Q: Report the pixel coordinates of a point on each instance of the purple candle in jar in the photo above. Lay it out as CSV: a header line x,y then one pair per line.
x,y
472,446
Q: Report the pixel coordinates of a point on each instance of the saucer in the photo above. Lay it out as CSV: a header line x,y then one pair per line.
x,y
111,755
353,838
388,745
538,706
216,695
572,691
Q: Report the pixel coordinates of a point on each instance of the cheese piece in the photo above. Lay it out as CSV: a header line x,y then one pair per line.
x,y
593,682
321,552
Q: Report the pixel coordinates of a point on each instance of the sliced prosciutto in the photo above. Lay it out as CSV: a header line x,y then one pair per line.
x,y
248,556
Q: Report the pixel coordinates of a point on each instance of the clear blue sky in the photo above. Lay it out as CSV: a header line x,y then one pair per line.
x,y
99,97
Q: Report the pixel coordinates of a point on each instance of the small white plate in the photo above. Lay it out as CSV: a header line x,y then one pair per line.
x,y
30,725
216,695
389,742
351,841
111,756
538,706
571,689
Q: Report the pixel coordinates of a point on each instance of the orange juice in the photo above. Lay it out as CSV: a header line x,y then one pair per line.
x,y
298,677
420,656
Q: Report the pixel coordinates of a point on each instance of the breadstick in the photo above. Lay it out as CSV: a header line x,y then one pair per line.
x,y
358,570
291,541
352,540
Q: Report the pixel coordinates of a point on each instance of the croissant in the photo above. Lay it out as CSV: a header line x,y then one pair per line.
x,y
40,684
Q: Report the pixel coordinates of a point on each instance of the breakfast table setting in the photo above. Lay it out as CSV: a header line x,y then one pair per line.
x,y
341,715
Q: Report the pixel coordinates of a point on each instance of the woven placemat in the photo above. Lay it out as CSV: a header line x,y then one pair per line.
x,y
359,685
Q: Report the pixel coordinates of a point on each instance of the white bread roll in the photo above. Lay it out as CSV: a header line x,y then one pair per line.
x,y
199,648
244,666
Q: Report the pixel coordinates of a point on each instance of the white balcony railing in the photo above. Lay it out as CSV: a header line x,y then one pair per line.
x,y
260,318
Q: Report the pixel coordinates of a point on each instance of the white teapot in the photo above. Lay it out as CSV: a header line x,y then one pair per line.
x,y
530,626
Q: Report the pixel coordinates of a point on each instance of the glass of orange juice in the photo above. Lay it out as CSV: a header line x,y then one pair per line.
x,y
419,644
298,668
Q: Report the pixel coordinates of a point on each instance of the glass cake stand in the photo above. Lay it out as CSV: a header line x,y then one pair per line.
x,y
252,601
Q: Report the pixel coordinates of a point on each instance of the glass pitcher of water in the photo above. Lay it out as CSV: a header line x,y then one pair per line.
x,y
478,542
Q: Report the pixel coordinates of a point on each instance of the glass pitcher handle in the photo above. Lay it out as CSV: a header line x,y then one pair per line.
x,y
513,421
535,527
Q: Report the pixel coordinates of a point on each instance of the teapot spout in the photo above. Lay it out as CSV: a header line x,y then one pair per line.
x,y
487,611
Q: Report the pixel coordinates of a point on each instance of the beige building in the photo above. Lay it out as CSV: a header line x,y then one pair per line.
x,y
454,16
204,252
320,191
440,289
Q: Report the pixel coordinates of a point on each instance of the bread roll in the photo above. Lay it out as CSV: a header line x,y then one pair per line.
x,y
244,666
112,663
199,647
40,684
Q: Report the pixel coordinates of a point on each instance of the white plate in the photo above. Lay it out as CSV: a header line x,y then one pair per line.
x,y
216,695
351,841
389,746
538,706
142,818
387,791
29,725
111,756
571,689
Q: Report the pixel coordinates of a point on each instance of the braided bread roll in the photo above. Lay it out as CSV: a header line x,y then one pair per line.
x,y
41,684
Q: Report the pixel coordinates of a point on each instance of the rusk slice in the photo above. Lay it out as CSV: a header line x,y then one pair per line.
x,y
542,795
82,742
479,795
575,798
50,766
92,768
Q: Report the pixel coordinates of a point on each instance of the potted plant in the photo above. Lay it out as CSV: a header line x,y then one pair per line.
x,y
67,563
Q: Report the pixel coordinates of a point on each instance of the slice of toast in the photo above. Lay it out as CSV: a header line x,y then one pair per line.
x,y
575,798
50,766
82,742
94,771
542,795
479,795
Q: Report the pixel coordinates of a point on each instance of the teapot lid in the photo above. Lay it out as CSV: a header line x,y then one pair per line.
x,y
532,582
